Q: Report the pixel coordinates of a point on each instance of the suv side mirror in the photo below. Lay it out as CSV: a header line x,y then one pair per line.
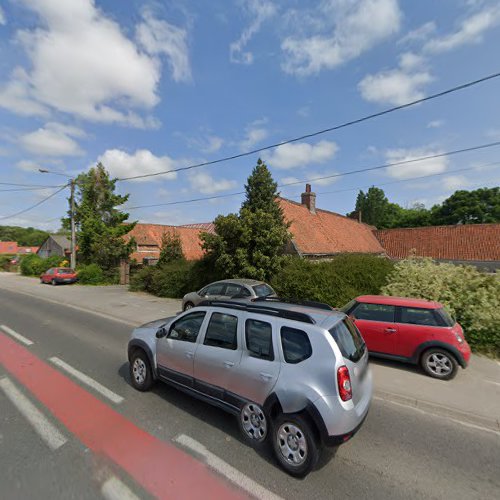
x,y
161,332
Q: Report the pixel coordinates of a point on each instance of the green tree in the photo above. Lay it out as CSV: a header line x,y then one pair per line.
x,y
100,224
251,244
469,207
171,248
25,236
375,208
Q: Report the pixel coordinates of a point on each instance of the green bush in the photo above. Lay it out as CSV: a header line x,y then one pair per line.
x,y
471,296
90,274
34,265
5,259
141,279
334,282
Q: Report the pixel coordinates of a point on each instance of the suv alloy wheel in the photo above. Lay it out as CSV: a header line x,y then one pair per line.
x,y
140,371
253,423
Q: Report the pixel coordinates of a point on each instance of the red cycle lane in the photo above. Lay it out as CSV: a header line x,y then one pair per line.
x,y
159,467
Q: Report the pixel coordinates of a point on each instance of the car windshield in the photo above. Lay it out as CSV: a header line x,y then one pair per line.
x,y
65,270
263,290
349,340
445,317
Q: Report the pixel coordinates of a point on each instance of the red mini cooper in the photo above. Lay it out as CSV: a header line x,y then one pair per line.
x,y
59,275
411,330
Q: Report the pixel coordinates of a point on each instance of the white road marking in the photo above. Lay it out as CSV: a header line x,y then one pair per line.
x,y
234,475
16,335
491,382
112,396
114,489
50,434
450,419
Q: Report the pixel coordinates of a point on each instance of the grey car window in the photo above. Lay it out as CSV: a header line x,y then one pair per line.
x,y
221,331
188,327
417,316
296,345
259,339
374,312
263,290
232,290
215,289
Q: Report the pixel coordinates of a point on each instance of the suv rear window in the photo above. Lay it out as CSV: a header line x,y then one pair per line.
x,y
349,340
263,290
259,339
296,345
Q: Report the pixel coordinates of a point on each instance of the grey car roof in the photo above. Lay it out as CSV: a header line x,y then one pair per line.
x,y
322,317
242,281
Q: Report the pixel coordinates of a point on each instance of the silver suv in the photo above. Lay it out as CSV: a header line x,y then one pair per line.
x,y
294,374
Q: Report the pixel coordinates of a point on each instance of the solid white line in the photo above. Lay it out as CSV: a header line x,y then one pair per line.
x,y
115,398
450,419
52,437
234,475
491,382
114,489
16,335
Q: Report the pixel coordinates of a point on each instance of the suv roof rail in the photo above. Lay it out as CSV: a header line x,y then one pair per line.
x,y
261,309
307,303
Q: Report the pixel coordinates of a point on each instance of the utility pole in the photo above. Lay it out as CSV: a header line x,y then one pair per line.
x,y
73,231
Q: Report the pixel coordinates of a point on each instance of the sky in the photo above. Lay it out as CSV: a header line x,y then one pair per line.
x,y
147,86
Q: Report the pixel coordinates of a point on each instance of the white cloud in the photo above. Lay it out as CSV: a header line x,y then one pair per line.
x,y
28,165
471,30
160,37
435,124
54,139
206,184
212,144
3,21
454,182
415,169
419,34
313,178
304,111
301,154
122,164
344,30
260,11
83,64
254,133
397,86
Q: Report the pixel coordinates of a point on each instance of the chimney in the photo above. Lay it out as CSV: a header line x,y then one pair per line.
x,y
309,199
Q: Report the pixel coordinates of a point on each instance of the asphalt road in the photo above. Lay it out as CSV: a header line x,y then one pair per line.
x,y
400,452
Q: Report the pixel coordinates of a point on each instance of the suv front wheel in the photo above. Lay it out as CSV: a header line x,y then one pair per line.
x,y
295,444
140,371
439,363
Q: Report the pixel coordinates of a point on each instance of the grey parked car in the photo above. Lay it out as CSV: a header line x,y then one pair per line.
x,y
227,289
295,375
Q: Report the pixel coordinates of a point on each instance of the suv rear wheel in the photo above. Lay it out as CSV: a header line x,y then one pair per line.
x,y
439,363
141,374
295,444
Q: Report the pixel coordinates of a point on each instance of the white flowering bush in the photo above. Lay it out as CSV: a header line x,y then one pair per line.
x,y
471,296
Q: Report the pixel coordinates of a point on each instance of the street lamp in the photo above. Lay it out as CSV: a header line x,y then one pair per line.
x,y
72,212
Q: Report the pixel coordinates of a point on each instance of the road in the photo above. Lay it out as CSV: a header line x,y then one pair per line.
x,y
108,440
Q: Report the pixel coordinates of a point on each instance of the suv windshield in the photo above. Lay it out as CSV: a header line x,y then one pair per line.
x,y
444,317
349,340
263,290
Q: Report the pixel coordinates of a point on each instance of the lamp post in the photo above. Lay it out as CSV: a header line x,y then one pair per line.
x,y
72,213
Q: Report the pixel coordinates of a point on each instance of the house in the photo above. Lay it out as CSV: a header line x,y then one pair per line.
x,y
8,247
474,244
55,244
27,250
321,234
148,239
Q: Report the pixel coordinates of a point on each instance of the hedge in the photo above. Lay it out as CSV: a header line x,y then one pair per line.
x,y
471,296
34,265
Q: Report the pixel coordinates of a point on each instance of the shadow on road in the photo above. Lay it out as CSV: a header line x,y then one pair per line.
x,y
398,365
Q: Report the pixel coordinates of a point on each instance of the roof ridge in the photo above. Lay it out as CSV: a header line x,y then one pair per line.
x,y
487,224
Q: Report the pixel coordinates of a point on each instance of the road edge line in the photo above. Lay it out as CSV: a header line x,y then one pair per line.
x,y
114,489
17,336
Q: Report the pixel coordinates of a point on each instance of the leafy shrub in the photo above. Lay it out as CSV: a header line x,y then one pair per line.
x,y
5,261
34,265
90,274
141,279
471,296
334,282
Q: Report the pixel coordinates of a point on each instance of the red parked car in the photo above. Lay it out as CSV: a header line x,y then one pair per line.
x,y
411,330
58,276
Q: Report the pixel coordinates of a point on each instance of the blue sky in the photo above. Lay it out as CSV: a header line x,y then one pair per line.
x,y
150,86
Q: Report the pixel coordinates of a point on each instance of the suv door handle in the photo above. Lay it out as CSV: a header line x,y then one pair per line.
x,y
189,354
228,364
265,376
390,330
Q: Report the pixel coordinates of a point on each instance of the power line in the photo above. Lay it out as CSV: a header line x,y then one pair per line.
x,y
28,189
320,132
35,205
28,185
367,169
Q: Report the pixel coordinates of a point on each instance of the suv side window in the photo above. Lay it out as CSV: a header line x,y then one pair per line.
x,y
187,327
259,339
418,316
221,331
374,312
296,345
232,290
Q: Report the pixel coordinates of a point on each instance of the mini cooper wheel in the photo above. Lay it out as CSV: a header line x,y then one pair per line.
x,y
140,371
439,363
295,444
253,423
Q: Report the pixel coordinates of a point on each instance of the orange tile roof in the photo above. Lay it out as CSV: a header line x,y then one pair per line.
x,y
207,227
27,250
327,233
150,235
8,247
468,242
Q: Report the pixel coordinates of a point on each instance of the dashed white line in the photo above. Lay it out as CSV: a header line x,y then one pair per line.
x,y
491,382
50,434
112,396
114,489
16,335
234,475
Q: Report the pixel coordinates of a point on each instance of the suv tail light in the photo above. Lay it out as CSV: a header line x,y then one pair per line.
x,y
344,383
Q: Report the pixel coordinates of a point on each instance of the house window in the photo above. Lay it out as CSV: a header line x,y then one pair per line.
x,y
148,248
